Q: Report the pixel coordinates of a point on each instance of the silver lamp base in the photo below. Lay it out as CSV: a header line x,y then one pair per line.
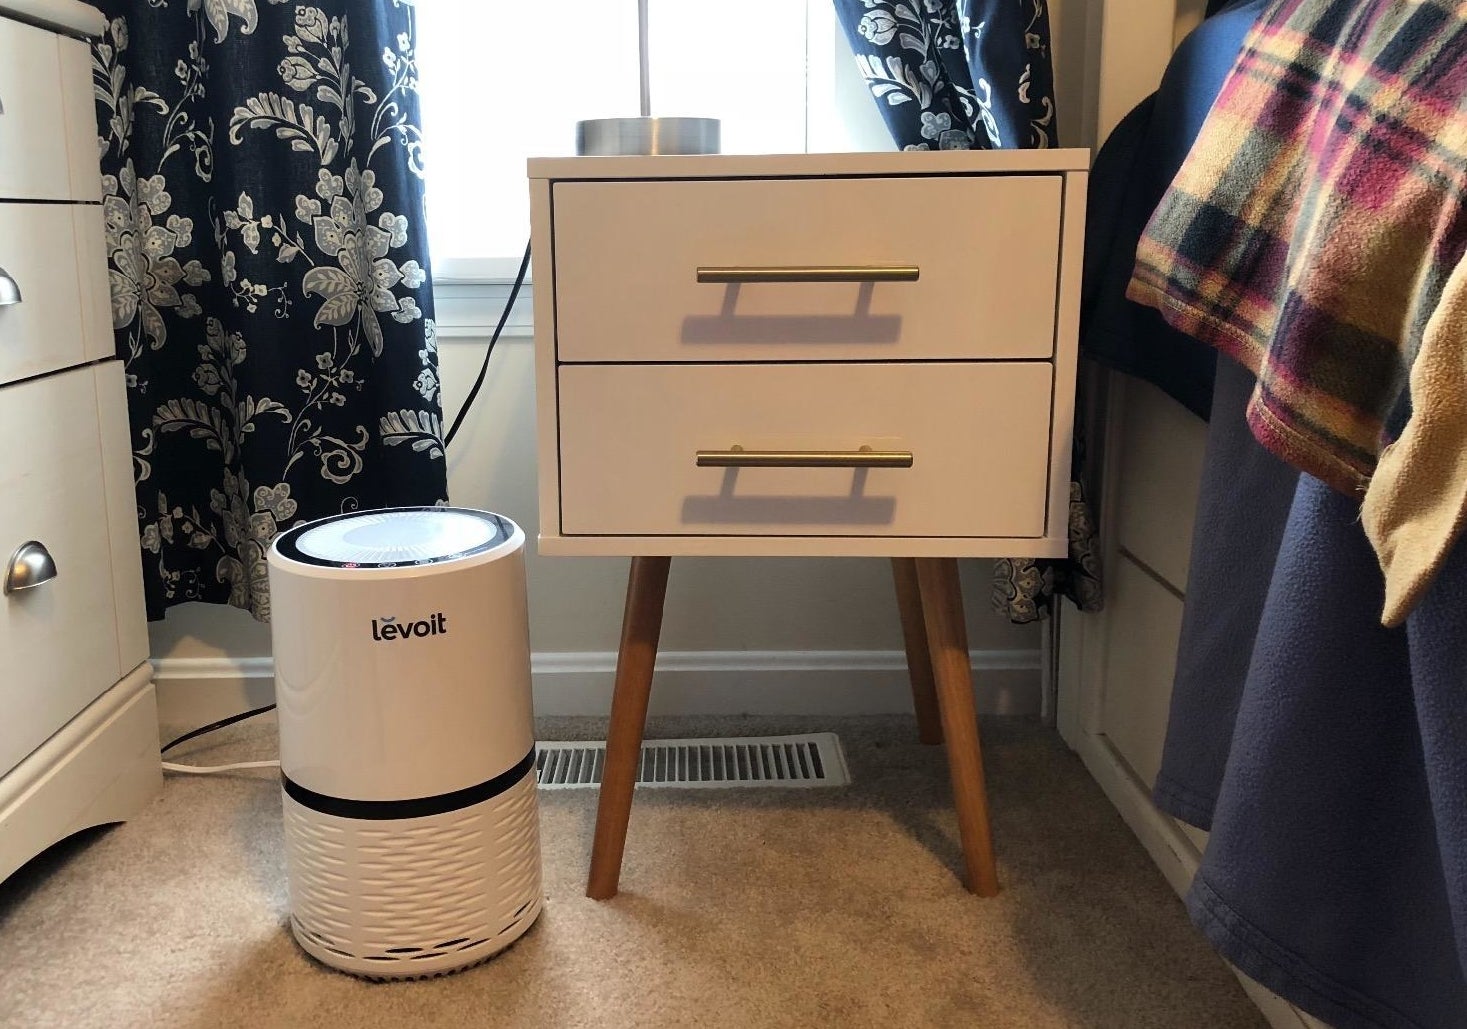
x,y
602,137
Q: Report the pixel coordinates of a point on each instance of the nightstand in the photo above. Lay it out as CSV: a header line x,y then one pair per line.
x,y
824,354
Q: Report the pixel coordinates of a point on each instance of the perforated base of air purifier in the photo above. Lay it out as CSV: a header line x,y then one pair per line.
x,y
806,760
414,897
432,964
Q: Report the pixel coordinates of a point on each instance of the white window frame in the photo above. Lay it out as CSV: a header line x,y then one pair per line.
x,y
469,293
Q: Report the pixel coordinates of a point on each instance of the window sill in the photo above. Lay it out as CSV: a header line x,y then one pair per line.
x,y
475,270
471,309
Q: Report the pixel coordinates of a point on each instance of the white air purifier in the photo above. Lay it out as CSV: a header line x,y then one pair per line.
x,y
407,751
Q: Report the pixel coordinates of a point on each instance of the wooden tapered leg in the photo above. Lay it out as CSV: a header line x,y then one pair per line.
x,y
919,657
947,637
641,627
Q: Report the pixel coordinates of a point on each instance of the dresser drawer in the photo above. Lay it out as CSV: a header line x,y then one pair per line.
x,y
978,434
628,256
56,323
59,639
48,132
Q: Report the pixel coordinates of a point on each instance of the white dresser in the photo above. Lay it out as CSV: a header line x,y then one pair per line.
x,y
842,355
79,740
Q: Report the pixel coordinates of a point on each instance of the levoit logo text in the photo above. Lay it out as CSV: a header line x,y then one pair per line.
x,y
389,628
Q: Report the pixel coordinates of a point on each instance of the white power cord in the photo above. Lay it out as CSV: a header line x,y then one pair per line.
x,y
170,766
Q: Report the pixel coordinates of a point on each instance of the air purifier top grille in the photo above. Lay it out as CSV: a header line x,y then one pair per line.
x,y
395,537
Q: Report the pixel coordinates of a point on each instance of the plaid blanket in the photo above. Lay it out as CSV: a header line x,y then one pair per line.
x,y
1312,230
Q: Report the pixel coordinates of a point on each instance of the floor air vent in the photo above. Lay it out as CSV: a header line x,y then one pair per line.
x,y
811,759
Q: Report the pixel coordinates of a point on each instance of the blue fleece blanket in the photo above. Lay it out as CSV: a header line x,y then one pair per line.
x,y
1328,754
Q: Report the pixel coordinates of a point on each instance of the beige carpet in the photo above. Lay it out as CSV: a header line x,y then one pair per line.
x,y
834,907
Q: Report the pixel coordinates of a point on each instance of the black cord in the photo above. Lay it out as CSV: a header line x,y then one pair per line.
x,y
519,280
215,725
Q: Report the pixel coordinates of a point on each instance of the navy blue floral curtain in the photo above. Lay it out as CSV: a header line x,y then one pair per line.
x,y
262,192
977,75
957,74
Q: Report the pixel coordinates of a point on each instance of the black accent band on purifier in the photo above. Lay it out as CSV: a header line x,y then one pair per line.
x,y
418,807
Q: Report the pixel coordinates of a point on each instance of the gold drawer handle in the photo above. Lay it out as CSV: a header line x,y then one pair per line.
x,y
737,457
812,273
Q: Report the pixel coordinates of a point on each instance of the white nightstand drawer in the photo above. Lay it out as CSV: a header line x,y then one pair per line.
x,y
984,251
978,435
48,131
56,323
58,639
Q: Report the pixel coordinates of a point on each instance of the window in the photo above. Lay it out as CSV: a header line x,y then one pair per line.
x,y
502,82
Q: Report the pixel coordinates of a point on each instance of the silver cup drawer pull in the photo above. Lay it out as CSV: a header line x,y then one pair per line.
x,y
9,289
31,565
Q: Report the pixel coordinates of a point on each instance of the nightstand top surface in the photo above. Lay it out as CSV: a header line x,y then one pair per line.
x,y
69,16
940,162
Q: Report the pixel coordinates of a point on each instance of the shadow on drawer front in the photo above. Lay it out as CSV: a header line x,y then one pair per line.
x,y
802,328
731,507
732,326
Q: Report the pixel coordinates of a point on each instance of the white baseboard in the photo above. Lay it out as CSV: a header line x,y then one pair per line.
x,y
714,682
